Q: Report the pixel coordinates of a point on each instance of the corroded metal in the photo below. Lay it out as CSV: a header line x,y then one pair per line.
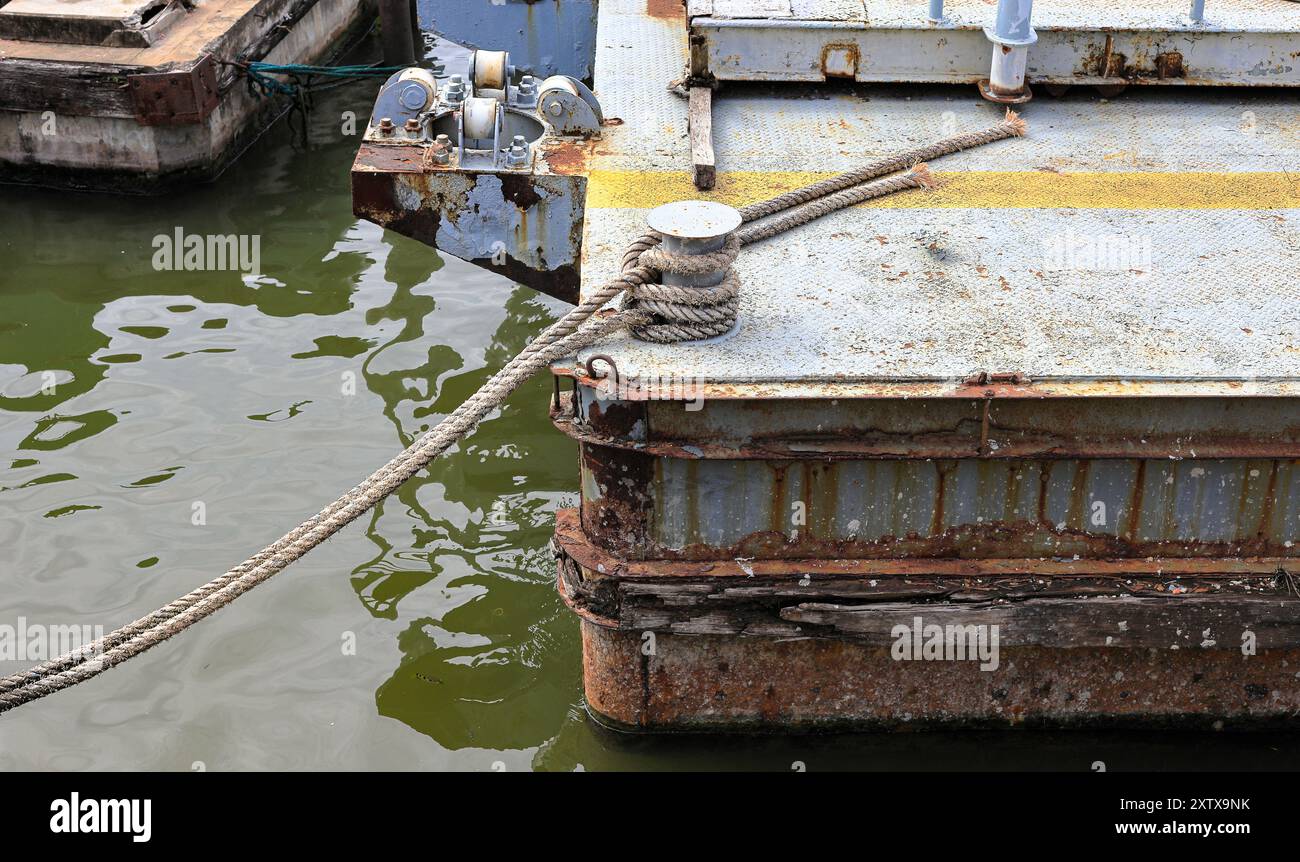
x,y
669,648
181,97
746,564
484,171
768,486
526,226
923,414
1245,43
703,682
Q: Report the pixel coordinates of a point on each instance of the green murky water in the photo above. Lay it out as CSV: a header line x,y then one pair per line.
x,y
252,403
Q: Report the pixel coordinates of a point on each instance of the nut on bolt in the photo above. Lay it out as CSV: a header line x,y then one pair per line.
x,y
527,89
517,155
454,93
413,129
386,126
442,150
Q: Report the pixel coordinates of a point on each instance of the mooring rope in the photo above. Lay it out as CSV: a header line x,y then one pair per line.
x,y
652,311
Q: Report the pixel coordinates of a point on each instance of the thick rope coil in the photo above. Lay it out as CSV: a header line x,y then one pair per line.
x,y
643,262
686,313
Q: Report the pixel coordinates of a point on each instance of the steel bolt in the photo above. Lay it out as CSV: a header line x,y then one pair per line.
x,y
517,155
455,92
413,128
442,150
386,126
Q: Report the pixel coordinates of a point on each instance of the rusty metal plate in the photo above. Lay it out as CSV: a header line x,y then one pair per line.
x,y
720,683
177,98
1244,43
527,227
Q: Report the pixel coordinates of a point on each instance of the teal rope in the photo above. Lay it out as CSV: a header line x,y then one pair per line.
x,y
261,82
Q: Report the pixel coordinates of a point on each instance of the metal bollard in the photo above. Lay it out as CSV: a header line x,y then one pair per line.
x,y
694,227
1197,14
1011,35
935,15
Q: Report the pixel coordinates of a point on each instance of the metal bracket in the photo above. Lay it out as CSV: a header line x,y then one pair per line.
x,y
569,106
178,98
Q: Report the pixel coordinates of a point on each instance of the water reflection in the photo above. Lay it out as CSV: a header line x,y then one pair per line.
x,y
471,534
161,381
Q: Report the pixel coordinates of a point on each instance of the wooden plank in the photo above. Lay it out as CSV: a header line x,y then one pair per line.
x,y
1187,622
86,80
700,119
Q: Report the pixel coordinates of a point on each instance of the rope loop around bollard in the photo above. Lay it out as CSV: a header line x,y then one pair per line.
x,y
686,313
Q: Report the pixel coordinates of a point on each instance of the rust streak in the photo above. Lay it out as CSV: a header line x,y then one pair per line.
x,y
667,10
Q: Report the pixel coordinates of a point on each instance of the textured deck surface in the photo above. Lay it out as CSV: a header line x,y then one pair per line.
x,y
1192,195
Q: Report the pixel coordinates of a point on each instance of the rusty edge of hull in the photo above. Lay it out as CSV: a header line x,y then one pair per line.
x,y
1058,428
385,175
726,685
734,651
1057,387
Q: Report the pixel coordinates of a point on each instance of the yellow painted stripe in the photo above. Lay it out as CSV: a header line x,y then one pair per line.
x,y
976,189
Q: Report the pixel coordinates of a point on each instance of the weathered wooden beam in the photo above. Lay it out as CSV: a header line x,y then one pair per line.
x,y
1185,622
700,123
71,85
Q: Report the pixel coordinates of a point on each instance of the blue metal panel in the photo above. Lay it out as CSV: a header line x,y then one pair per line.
x,y
544,37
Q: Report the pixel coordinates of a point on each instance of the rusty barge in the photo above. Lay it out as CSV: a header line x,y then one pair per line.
x,y
1058,397
144,95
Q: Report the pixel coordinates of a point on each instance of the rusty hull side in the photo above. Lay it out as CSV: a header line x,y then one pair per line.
x,y
704,606
711,682
526,226
1203,478
799,647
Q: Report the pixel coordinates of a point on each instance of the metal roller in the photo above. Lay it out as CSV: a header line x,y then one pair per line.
x,y
406,95
479,118
569,106
491,70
